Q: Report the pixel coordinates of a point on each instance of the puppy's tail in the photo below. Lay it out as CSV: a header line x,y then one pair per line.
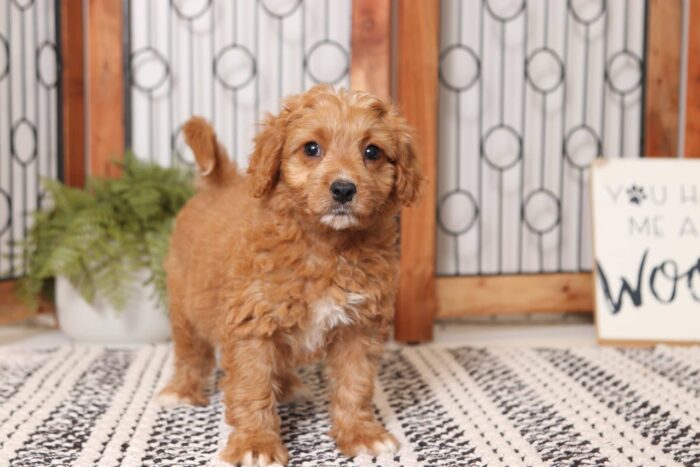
x,y
215,168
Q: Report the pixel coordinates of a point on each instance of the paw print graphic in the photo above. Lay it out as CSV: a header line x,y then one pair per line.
x,y
636,194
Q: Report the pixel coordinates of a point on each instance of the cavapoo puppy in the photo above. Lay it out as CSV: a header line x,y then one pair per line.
x,y
295,261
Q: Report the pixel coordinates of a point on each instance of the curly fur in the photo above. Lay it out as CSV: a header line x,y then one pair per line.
x,y
265,268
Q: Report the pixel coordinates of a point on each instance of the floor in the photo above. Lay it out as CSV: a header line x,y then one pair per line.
x,y
528,333
558,335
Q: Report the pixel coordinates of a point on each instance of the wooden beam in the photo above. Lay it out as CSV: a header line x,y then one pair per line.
x,y
105,99
371,47
514,294
692,109
73,91
14,310
417,96
664,38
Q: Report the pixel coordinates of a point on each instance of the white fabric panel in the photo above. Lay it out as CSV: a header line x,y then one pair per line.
x,y
524,109
229,61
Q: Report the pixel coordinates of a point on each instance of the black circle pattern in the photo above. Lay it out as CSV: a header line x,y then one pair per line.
x,y
448,81
5,47
328,45
471,201
546,53
23,5
30,73
619,57
148,54
22,154
510,159
580,18
5,224
551,214
177,8
545,70
569,151
501,16
238,66
44,48
251,69
281,14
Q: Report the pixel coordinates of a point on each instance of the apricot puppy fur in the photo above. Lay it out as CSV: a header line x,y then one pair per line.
x,y
298,260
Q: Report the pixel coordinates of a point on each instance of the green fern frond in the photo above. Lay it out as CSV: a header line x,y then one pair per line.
x,y
101,236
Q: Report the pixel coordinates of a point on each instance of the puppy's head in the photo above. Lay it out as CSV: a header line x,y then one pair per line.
x,y
344,158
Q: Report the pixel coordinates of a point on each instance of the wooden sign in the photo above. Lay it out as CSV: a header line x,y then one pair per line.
x,y
646,245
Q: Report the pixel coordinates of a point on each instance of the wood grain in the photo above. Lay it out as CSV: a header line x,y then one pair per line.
x,y
13,310
692,110
661,115
371,47
105,99
638,344
73,92
514,294
417,96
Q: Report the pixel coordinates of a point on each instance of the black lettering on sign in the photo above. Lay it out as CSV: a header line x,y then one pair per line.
x,y
666,270
634,293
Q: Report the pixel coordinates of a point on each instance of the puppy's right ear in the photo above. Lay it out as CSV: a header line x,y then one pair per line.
x,y
264,164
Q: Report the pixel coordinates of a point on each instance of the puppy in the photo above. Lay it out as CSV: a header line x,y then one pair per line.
x,y
295,261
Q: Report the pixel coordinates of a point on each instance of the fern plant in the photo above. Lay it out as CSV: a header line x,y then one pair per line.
x,y
101,236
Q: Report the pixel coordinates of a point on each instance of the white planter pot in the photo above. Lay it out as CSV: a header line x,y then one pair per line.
x,y
141,320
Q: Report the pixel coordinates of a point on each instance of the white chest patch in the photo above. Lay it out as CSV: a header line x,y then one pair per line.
x,y
327,314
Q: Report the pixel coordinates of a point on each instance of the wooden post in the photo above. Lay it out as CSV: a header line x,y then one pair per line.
x,y
73,91
692,109
417,96
105,98
663,63
371,47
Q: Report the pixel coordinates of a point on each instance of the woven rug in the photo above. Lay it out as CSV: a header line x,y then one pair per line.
x,y
88,406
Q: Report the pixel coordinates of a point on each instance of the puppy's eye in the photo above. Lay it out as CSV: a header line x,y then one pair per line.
x,y
372,152
312,149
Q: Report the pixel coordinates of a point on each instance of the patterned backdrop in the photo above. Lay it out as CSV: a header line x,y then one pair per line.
x,y
531,93
30,146
229,61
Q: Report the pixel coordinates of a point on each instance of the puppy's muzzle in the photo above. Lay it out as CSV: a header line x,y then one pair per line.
x,y
343,191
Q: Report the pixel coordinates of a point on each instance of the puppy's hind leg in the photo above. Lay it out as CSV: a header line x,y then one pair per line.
x,y
194,361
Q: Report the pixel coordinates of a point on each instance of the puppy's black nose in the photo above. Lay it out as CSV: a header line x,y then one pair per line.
x,y
343,190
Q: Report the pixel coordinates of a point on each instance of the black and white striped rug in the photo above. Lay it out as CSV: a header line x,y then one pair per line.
x,y
85,406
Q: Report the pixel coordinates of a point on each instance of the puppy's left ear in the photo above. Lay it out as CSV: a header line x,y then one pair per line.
x,y
409,179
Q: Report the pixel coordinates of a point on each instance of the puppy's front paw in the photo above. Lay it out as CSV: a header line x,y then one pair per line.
x,y
170,399
262,450
363,439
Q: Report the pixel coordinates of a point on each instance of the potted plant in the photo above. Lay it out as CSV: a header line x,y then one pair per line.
x,y
103,247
